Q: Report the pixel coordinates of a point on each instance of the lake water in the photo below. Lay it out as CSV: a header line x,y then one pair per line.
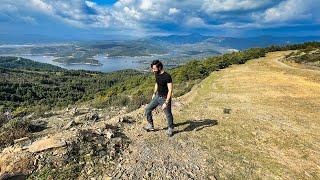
x,y
109,64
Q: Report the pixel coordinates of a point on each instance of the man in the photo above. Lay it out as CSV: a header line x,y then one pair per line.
x,y
162,95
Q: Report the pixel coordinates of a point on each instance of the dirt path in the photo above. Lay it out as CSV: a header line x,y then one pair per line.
x,y
272,131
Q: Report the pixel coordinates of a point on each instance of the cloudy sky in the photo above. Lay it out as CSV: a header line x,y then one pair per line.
x,y
139,18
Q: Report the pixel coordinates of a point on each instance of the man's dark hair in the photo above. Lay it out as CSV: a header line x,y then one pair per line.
x,y
158,64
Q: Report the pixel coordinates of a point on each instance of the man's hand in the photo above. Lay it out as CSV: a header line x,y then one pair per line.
x,y
164,105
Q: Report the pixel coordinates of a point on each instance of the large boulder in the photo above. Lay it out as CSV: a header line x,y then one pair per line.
x,y
91,116
45,144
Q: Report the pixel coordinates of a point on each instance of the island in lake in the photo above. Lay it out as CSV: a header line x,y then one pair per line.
x,y
75,60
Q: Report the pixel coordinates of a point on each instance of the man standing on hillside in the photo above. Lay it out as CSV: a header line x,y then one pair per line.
x,y
162,95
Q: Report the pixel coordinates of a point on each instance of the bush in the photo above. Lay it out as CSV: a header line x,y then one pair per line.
x,y
14,129
3,119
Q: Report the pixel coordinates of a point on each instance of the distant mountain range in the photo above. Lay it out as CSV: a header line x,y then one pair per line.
x,y
181,39
234,42
177,49
194,38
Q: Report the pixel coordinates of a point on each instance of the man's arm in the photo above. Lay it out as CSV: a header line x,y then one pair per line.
x,y
169,95
155,90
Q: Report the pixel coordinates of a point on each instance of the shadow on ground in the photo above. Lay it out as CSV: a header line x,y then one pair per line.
x,y
195,125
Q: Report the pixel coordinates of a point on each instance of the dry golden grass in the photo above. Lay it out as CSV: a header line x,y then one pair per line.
x,y
272,131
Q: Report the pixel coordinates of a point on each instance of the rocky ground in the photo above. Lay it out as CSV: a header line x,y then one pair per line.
x,y
70,143
256,120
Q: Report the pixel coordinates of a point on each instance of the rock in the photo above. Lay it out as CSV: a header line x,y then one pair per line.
x,y
80,119
16,176
46,144
35,162
25,141
84,110
126,119
119,175
106,177
102,153
74,111
90,171
117,140
190,174
70,124
226,110
108,133
93,116
29,116
99,131
8,115
254,133
37,126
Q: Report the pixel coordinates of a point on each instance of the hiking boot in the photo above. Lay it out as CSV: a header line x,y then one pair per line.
x,y
169,132
149,127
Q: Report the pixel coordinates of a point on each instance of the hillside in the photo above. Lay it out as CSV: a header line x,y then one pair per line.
x,y
309,58
272,132
7,62
28,87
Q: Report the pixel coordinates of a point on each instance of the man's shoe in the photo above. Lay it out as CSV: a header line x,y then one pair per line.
x,y
169,132
149,127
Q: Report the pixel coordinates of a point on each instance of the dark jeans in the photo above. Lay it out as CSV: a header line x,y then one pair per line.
x,y
158,100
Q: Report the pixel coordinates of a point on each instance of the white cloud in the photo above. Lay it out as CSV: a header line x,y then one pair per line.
x,y
41,5
124,2
146,4
79,13
173,11
195,22
216,6
29,19
292,10
132,12
8,8
143,15
91,4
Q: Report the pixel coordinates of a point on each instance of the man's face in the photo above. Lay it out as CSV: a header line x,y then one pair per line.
x,y
155,69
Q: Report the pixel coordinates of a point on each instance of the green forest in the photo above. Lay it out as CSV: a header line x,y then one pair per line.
x,y
27,86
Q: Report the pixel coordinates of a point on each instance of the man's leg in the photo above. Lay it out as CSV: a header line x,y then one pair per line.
x,y
149,108
169,115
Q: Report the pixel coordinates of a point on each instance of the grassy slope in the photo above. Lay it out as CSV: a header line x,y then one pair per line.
x,y
272,130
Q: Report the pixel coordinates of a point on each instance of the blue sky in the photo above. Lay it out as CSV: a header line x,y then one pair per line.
x,y
89,19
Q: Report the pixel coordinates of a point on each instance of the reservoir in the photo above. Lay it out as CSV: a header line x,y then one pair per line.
x,y
109,64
